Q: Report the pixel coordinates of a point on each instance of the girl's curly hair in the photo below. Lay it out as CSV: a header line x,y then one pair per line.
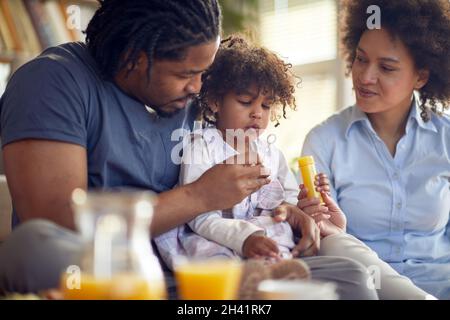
x,y
424,28
239,65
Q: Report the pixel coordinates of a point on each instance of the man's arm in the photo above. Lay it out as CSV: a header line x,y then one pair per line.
x,y
41,176
218,188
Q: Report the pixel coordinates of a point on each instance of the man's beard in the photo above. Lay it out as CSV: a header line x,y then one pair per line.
x,y
166,114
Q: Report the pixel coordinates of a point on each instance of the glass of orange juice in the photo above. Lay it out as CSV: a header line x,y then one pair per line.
x,y
119,287
216,279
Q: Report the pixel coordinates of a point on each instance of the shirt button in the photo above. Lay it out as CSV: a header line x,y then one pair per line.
x,y
399,205
398,250
395,176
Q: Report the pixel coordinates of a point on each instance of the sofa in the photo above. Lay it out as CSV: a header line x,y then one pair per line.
x,y
5,209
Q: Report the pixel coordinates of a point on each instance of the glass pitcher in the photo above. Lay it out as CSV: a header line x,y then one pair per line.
x,y
118,260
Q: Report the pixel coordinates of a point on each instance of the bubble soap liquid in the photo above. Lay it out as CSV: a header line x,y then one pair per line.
x,y
308,171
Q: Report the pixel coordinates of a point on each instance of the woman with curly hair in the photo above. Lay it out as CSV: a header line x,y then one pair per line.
x,y
388,156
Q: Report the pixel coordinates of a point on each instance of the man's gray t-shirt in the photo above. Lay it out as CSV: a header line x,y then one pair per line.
x,y
61,96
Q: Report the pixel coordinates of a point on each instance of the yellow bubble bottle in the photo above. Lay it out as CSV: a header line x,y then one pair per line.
x,y
308,172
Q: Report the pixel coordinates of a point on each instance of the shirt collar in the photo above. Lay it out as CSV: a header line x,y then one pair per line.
x,y
356,116
414,115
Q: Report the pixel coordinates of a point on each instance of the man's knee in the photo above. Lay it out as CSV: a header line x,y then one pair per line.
x,y
38,233
35,253
32,230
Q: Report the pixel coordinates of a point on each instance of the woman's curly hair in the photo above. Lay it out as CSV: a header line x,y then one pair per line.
x,y
424,28
239,65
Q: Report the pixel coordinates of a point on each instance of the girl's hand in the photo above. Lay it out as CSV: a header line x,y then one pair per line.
x,y
259,246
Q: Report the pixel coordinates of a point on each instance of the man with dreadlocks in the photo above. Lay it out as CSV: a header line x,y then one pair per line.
x,y
76,116
100,114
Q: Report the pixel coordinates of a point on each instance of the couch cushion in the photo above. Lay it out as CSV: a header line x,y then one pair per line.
x,y
5,209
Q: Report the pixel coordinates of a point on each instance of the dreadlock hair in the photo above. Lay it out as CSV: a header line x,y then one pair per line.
x,y
162,29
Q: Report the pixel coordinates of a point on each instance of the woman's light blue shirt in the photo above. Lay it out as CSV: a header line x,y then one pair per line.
x,y
399,206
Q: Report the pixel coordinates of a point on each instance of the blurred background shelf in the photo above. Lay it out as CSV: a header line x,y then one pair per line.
x,y
6,57
27,27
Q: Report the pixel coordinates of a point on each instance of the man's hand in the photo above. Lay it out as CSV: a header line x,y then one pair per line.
x,y
328,216
227,184
309,243
219,188
259,246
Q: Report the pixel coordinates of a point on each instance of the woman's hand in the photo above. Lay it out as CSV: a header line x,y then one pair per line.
x,y
328,216
309,243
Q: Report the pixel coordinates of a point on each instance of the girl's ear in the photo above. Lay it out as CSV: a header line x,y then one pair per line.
x,y
213,105
424,75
